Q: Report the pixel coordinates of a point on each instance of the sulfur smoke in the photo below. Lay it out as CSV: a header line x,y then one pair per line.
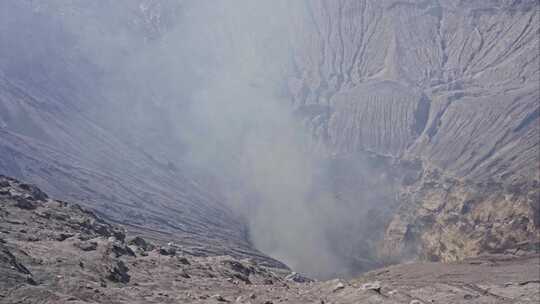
x,y
204,85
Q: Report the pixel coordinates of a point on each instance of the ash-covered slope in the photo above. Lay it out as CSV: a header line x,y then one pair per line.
x,y
451,89
48,92
452,83
73,158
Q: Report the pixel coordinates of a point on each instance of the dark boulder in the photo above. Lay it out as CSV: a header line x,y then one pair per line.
x,y
26,204
120,249
119,273
141,243
183,260
167,250
238,267
63,236
34,192
296,277
7,257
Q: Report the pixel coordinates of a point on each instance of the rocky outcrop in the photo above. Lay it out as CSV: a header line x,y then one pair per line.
x,y
38,267
92,261
442,218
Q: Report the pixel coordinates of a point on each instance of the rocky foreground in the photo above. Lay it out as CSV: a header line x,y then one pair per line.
x,y
56,252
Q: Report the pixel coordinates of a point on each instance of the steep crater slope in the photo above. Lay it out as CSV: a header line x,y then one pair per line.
x,y
449,87
50,135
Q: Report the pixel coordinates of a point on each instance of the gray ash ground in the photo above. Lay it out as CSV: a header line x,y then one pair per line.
x,y
57,252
